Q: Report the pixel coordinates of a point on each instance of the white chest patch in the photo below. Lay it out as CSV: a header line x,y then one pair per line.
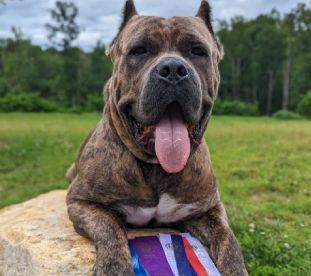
x,y
168,210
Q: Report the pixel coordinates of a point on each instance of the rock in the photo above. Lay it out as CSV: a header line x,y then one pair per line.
x,y
37,238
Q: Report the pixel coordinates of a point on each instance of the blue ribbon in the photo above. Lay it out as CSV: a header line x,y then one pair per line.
x,y
138,268
183,266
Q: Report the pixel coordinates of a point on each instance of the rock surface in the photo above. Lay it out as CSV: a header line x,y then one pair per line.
x,y
37,238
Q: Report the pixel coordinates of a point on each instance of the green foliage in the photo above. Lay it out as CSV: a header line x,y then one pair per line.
x,y
234,108
264,53
263,56
73,110
304,107
4,87
66,77
262,175
286,115
26,102
94,103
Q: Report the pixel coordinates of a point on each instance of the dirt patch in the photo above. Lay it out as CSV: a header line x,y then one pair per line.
x,y
4,145
258,197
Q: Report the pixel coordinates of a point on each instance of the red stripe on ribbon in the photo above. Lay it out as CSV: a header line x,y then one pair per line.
x,y
193,259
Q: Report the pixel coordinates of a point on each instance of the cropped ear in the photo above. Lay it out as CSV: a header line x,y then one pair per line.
x,y
205,13
129,11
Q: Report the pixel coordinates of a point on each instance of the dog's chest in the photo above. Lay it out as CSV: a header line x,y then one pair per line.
x,y
167,211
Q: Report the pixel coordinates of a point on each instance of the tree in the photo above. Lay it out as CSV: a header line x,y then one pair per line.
x,y
298,23
63,33
267,62
262,60
271,48
66,30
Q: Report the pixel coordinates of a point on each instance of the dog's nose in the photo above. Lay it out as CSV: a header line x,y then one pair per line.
x,y
172,70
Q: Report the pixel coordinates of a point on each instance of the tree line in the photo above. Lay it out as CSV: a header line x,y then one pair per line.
x,y
267,64
267,59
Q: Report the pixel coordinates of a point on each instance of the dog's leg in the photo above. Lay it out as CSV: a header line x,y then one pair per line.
x,y
213,231
112,253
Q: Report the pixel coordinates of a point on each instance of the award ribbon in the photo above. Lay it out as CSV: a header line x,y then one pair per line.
x,y
138,268
183,266
202,255
193,259
167,245
151,256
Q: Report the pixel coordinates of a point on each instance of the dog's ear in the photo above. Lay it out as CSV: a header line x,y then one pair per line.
x,y
205,13
129,11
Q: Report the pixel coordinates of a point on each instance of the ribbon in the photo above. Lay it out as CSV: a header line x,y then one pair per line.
x,y
183,266
202,255
151,256
168,249
193,259
138,268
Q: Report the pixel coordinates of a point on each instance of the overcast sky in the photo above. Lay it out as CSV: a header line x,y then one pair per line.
x,y
100,18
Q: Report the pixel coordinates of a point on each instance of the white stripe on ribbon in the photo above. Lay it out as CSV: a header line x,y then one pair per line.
x,y
167,245
202,255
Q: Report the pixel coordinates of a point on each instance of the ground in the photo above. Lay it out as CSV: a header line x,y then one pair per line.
x,y
262,166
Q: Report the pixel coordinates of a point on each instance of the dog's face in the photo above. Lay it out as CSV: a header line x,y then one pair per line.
x,y
166,79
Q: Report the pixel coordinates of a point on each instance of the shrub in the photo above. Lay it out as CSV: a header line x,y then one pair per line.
x,y
4,87
26,102
94,103
304,106
286,115
73,109
235,108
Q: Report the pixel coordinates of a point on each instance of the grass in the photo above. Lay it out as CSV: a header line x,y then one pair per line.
x,y
262,165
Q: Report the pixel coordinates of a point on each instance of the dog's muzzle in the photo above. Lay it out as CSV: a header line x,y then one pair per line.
x,y
167,118
170,80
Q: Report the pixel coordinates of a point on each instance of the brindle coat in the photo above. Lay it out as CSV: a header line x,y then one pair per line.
x,y
113,169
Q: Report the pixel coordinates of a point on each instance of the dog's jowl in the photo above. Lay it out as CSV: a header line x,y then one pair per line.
x,y
146,163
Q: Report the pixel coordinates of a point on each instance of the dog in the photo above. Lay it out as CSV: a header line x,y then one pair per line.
x,y
146,164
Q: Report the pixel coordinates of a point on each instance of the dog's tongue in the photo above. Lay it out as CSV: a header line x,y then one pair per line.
x,y
172,143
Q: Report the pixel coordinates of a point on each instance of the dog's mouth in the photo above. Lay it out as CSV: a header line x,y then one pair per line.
x,y
170,139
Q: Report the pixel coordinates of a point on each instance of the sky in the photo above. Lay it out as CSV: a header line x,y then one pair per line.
x,y
100,18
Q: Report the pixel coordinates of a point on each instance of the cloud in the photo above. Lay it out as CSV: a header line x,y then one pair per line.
x,y
100,18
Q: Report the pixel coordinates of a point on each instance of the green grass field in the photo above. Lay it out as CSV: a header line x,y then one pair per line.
x,y
263,168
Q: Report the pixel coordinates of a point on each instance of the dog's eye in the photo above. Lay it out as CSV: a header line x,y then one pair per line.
x,y
199,51
137,51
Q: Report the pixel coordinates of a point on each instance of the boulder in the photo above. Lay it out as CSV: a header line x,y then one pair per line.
x,y
37,238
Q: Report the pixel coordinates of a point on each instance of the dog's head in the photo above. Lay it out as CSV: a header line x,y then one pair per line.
x,y
164,82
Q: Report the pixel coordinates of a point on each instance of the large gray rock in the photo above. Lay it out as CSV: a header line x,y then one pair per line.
x,y
37,238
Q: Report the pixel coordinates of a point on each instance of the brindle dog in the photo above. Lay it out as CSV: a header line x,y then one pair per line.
x,y
146,163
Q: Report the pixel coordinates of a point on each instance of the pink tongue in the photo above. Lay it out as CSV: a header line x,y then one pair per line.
x,y
172,143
